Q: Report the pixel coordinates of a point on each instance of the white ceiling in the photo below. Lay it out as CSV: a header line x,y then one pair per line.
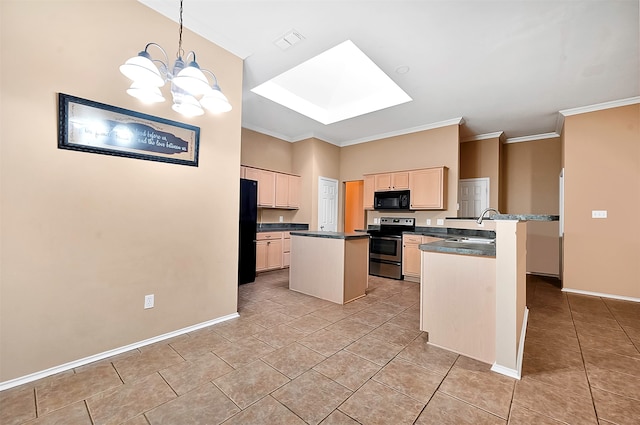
x,y
506,65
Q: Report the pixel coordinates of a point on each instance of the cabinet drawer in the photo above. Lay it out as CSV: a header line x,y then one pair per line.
x,y
265,236
412,239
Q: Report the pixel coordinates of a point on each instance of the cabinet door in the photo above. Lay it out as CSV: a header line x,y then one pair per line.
x,y
383,181
295,184
282,190
400,181
368,190
243,172
428,189
411,256
261,256
266,185
274,254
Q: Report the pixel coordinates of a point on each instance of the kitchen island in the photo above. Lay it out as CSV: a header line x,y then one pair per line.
x,y
333,266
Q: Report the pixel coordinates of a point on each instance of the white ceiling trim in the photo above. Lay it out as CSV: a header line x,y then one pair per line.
x,y
453,121
533,137
268,132
593,108
495,134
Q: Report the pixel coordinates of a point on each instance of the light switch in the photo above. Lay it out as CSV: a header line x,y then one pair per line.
x,y
428,222
599,214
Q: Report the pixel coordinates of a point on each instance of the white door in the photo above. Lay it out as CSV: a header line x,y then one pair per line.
x,y
473,196
327,204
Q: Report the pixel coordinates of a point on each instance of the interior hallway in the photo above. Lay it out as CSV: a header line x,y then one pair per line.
x,y
294,359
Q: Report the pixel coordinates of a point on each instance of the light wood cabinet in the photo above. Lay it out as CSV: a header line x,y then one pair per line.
x,y
286,250
275,190
266,185
268,251
368,191
428,188
392,181
411,255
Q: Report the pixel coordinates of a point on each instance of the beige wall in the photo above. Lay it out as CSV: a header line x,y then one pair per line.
x,y
263,151
430,148
84,236
481,158
602,172
531,186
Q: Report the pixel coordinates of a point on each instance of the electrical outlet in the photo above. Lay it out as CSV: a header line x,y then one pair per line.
x,y
440,222
148,301
428,222
281,219
599,214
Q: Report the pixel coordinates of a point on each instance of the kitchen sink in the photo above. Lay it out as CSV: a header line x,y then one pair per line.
x,y
474,240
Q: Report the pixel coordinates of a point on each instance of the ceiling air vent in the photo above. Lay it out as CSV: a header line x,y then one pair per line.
x,y
289,39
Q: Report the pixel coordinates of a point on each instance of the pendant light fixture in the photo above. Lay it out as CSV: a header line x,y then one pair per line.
x,y
190,89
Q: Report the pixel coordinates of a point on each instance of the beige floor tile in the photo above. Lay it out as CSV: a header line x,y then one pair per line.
x,y
271,319
129,400
614,382
312,396
347,369
610,361
446,410
622,346
204,405
280,336
554,402
375,350
309,323
433,358
409,379
293,360
54,394
18,405
371,317
186,376
244,351
75,414
147,362
486,390
616,409
237,329
250,383
267,411
395,334
350,328
407,320
377,404
338,418
569,374
521,416
537,348
138,420
198,343
332,313
326,342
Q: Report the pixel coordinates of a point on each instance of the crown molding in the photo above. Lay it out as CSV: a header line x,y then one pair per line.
x,y
600,106
494,135
532,138
268,132
453,121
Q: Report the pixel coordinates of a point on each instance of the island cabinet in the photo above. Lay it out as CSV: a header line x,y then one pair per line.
x,y
269,251
411,255
392,181
428,188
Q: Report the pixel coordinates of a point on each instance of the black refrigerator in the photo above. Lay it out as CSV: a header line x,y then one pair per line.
x,y
248,218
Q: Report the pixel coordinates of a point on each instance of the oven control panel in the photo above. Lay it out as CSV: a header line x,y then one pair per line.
x,y
394,221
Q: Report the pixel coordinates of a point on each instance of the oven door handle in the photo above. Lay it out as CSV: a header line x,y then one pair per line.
x,y
388,238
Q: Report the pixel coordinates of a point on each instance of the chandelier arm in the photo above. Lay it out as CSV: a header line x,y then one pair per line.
x,y
164,53
215,79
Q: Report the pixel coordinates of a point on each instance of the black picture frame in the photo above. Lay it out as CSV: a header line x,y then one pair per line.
x,y
88,126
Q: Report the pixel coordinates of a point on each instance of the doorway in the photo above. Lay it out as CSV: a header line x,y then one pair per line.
x,y
353,206
327,204
473,196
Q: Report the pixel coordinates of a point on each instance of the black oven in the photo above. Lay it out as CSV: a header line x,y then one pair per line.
x,y
385,247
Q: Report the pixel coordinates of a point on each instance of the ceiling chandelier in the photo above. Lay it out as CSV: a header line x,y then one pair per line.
x,y
190,88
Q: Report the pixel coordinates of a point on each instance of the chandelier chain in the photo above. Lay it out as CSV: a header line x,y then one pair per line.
x,y
180,51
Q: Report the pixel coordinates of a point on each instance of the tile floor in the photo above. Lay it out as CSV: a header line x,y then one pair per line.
x,y
294,359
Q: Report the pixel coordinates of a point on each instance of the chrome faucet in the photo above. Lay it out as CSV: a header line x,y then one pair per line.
x,y
486,210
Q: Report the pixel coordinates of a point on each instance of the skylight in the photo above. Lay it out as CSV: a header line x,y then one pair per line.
x,y
336,85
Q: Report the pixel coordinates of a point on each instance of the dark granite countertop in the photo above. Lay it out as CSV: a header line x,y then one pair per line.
x,y
330,235
450,247
445,232
280,227
526,217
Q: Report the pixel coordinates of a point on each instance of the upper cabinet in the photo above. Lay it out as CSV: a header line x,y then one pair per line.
x,y
275,190
392,181
428,189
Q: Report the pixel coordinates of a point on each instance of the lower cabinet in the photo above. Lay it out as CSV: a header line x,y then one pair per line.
x,y
411,255
272,250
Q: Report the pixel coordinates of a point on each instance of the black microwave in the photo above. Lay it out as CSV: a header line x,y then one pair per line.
x,y
391,200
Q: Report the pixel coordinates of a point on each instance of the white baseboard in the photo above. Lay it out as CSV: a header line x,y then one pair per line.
x,y
81,362
601,294
515,373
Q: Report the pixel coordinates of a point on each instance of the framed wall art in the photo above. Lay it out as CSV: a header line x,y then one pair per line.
x,y
88,126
